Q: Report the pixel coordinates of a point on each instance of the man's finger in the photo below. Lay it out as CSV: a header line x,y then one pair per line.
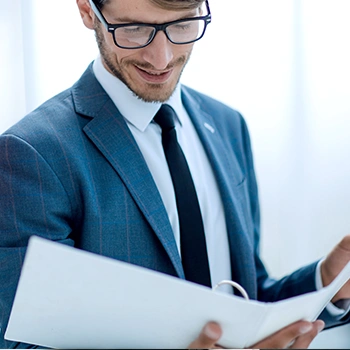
x,y
209,336
286,336
304,341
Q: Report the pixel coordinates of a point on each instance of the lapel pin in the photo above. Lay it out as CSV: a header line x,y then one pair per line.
x,y
209,127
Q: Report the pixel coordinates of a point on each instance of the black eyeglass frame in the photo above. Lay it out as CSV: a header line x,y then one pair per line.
x,y
158,27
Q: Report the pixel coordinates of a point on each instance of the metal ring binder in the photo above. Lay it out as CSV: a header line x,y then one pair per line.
x,y
235,285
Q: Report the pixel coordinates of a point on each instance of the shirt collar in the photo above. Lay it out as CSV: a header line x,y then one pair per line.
x,y
135,111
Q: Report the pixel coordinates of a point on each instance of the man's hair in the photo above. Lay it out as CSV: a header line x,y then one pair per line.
x,y
165,4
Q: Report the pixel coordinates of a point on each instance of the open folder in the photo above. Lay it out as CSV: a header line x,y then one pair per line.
x,y
69,298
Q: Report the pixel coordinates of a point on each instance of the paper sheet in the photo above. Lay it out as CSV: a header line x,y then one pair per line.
x,y
69,298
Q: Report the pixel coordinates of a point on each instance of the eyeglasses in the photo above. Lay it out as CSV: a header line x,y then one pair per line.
x,y
139,35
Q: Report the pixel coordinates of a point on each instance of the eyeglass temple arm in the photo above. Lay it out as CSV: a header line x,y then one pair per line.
x,y
98,13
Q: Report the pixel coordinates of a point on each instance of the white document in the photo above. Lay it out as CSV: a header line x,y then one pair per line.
x,y
69,298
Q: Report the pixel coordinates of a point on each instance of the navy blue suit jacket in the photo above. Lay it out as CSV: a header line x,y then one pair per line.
x,y
72,172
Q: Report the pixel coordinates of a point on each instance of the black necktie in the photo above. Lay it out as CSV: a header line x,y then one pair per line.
x,y
192,239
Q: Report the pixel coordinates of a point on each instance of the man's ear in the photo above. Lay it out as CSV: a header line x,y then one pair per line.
x,y
86,13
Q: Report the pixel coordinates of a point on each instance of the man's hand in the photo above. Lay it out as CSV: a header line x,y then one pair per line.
x,y
333,264
298,335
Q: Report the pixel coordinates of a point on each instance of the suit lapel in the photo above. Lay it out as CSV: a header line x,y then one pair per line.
x,y
111,135
229,177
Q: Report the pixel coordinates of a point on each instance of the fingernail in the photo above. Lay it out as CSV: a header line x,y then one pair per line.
x,y
210,332
320,327
305,329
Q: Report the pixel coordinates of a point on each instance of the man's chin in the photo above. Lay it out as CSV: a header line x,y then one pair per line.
x,y
155,93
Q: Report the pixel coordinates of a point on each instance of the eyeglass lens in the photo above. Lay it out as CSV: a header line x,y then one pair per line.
x,y
179,33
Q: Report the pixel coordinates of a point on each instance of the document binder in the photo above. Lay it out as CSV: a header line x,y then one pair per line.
x,y
69,298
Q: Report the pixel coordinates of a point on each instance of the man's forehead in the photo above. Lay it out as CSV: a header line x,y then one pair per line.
x,y
178,4
166,4
121,11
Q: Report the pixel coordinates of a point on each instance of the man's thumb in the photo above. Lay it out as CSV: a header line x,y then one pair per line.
x,y
208,337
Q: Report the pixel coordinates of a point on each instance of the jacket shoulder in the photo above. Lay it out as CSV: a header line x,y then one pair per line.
x,y
212,105
41,119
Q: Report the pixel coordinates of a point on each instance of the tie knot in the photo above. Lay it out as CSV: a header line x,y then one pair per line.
x,y
165,117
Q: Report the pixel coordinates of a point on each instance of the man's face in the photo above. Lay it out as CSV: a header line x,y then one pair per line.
x,y
152,72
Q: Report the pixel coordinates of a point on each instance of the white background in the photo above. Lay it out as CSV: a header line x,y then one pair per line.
x,y
283,64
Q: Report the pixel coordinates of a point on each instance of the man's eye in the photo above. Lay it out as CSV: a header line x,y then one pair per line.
x,y
186,26
134,30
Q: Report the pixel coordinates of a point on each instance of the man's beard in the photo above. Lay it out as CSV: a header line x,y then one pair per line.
x,y
154,92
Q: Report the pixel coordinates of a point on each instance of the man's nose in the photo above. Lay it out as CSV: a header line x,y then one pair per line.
x,y
159,52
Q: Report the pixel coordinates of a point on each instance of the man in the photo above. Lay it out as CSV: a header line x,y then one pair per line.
x,y
88,169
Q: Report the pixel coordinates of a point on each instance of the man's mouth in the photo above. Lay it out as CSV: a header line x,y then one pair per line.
x,y
150,76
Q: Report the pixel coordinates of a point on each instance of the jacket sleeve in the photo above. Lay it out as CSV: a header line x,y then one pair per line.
x,y
33,202
299,282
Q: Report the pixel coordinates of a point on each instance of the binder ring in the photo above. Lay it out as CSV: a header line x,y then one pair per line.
x,y
235,285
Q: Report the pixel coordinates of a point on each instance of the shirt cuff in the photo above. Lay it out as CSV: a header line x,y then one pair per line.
x,y
343,306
